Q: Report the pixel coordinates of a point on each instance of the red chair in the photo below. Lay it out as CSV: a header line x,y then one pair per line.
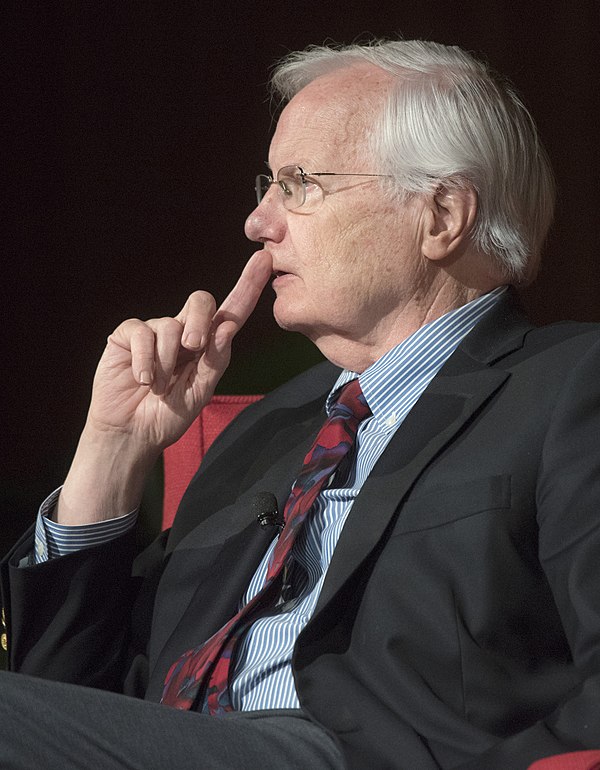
x,y
577,760
181,461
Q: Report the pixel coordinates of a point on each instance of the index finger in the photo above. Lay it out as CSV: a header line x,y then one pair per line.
x,y
242,299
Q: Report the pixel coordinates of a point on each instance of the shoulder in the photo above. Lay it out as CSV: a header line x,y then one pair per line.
x,y
566,330
566,340
506,334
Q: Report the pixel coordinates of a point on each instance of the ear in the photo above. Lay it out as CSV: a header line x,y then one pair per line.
x,y
450,220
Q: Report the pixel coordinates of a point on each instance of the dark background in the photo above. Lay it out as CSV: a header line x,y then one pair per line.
x,y
134,134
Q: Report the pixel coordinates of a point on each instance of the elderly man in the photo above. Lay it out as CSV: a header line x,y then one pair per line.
x,y
432,600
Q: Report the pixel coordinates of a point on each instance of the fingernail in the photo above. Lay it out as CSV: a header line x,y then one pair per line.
x,y
193,340
146,377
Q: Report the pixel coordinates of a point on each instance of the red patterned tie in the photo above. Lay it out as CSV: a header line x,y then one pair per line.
x,y
209,664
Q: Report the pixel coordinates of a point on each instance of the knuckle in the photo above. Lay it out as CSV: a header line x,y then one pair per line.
x,y
165,326
132,330
128,325
141,332
201,300
170,327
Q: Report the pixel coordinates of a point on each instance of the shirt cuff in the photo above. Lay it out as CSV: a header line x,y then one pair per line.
x,y
52,540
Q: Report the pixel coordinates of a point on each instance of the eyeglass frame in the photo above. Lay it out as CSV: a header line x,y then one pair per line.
x,y
304,175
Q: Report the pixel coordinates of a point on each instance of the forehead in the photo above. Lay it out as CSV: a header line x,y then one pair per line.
x,y
329,118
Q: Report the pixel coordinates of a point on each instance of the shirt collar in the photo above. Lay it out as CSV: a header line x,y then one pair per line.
x,y
414,362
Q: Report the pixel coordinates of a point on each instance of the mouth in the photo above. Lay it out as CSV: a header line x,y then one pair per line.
x,y
280,277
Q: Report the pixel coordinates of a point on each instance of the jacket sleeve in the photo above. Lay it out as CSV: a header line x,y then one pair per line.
x,y
69,619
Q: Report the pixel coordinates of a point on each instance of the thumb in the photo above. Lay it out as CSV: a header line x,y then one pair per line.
x,y
215,358
223,337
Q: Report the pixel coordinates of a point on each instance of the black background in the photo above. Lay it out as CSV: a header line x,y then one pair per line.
x,y
134,131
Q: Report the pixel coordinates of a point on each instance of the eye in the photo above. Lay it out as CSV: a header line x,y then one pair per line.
x,y
311,187
287,186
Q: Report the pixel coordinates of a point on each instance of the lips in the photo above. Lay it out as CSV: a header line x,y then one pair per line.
x,y
280,277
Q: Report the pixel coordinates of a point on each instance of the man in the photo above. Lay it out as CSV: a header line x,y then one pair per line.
x,y
439,607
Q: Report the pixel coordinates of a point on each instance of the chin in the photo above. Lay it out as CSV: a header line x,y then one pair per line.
x,y
291,319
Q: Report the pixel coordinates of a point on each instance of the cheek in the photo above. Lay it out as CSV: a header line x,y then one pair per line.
x,y
312,251
331,251
334,251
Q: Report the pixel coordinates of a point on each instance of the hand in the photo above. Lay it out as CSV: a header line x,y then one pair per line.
x,y
155,376
153,379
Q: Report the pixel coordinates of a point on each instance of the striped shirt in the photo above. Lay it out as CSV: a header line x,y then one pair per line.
x,y
263,677
52,540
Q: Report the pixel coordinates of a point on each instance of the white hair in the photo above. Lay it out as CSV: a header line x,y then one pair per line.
x,y
451,121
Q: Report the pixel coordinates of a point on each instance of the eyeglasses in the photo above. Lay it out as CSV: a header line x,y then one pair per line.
x,y
298,188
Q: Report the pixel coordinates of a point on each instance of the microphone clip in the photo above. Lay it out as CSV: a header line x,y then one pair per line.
x,y
264,506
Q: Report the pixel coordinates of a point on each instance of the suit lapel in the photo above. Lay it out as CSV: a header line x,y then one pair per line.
x,y
433,422
462,387
212,565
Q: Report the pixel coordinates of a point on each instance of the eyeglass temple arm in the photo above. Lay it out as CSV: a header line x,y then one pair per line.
x,y
337,173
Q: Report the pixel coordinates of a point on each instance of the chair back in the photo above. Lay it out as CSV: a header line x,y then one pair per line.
x,y
181,459
576,760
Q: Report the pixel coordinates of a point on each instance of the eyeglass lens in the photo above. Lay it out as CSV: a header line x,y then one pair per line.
x,y
295,189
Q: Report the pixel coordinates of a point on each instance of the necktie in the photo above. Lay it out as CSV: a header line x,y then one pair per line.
x,y
208,665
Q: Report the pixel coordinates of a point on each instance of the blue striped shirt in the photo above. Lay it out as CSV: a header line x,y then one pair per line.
x,y
52,540
263,676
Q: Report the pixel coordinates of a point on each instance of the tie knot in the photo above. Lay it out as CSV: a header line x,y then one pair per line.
x,y
351,402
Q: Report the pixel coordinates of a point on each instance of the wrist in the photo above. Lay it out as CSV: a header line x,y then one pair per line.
x,y
107,477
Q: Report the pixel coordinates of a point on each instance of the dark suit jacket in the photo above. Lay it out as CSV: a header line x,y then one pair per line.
x,y
459,623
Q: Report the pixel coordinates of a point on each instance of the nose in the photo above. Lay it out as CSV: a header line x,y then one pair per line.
x,y
268,221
